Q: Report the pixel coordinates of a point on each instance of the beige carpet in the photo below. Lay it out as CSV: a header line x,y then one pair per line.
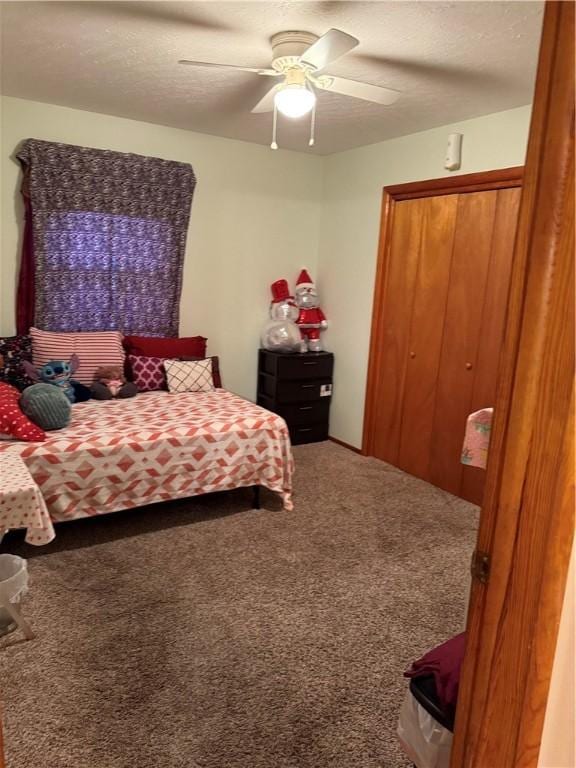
x,y
203,634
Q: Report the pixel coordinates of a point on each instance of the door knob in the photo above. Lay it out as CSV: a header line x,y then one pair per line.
x,y
412,354
468,366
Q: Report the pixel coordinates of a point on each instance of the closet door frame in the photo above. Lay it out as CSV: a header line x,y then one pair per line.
x,y
504,178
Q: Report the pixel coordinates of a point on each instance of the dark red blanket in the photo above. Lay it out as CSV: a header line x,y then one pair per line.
x,y
444,663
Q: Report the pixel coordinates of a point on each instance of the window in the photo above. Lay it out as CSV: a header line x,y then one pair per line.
x,y
98,266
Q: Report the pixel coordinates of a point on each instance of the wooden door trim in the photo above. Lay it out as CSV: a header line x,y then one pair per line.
x,y
344,445
527,520
503,178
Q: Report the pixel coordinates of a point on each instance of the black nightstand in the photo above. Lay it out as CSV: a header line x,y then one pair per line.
x,y
298,387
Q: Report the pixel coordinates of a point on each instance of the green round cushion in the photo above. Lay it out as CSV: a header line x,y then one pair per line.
x,y
46,405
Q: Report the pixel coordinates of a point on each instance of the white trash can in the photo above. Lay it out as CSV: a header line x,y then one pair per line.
x,y
13,585
425,741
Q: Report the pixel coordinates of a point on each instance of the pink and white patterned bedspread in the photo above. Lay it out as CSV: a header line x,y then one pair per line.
x,y
118,454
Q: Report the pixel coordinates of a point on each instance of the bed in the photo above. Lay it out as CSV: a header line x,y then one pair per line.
x,y
119,454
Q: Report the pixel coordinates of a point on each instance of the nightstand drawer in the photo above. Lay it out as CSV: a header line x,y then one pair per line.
x,y
306,413
308,366
299,391
311,434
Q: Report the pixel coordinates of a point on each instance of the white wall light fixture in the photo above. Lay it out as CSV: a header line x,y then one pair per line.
x,y
453,152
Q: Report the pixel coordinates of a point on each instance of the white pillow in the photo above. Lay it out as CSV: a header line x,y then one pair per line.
x,y
189,375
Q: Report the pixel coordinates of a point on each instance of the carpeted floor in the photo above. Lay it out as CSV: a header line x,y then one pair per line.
x,y
204,634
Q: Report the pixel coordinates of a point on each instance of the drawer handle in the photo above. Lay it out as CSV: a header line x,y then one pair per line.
x,y
304,429
311,362
305,408
308,386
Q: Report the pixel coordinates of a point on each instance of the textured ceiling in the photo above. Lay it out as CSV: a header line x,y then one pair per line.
x,y
451,60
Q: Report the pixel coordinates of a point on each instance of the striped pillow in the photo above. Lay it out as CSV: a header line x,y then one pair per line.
x,y
93,350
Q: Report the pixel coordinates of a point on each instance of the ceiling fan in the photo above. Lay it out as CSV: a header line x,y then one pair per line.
x,y
299,59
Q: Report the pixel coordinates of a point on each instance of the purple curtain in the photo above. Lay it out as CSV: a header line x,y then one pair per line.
x,y
25,296
105,236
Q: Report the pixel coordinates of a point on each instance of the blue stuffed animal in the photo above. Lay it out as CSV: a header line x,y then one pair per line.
x,y
59,373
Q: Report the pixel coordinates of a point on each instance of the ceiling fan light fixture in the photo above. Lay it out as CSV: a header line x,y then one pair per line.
x,y
294,100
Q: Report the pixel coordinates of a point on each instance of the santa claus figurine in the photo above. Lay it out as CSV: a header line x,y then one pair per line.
x,y
311,320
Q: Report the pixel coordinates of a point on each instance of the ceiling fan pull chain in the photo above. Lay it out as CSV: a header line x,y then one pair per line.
x,y
312,126
274,145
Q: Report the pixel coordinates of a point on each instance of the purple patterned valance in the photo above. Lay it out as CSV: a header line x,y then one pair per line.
x,y
108,238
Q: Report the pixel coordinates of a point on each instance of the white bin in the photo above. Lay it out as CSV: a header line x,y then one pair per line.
x,y
427,743
13,584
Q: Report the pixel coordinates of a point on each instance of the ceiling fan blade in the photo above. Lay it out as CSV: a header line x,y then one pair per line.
x,y
255,70
359,90
176,15
266,103
328,48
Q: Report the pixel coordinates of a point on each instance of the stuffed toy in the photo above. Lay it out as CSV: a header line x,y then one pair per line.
x,y
109,383
46,406
59,373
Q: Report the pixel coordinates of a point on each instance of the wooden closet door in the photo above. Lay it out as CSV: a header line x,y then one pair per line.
x,y
462,328
493,324
438,324
426,331
393,351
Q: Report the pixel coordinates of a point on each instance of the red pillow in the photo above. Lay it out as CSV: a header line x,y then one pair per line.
x,y
12,421
147,373
157,346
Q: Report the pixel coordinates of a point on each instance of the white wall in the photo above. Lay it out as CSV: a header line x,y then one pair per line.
x,y
353,183
255,218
